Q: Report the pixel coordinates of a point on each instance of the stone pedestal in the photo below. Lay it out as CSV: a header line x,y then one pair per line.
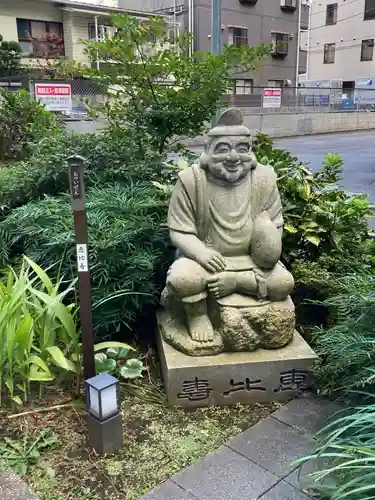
x,y
230,378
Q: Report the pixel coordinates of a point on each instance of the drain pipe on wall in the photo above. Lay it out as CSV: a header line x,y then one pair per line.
x,y
97,39
298,43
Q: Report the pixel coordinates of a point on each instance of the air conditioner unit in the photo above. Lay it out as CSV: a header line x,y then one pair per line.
x,y
248,2
288,4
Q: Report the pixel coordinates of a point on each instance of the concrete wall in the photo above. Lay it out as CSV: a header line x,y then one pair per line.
x,y
293,124
274,124
288,125
347,34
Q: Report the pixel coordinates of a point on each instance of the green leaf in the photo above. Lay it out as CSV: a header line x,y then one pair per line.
x,y
60,360
315,240
103,364
117,352
42,275
17,400
37,375
133,368
112,344
290,229
36,360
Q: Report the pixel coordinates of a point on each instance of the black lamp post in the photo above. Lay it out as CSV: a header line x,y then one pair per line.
x,y
104,417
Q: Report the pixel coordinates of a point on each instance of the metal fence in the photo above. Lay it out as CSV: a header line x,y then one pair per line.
x,y
305,100
254,101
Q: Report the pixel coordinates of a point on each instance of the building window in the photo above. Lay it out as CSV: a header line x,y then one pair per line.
x,y
276,83
369,9
243,87
103,32
40,38
331,13
237,36
280,44
367,49
329,53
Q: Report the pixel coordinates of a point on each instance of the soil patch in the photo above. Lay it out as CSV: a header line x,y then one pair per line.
x,y
158,442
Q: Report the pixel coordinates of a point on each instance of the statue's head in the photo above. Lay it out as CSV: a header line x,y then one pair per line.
x,y
227,153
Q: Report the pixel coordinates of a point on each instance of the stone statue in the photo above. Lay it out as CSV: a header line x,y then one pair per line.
x,y
227,289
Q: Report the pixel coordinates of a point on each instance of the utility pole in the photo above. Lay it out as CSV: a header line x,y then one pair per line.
x,y
215,34
216,27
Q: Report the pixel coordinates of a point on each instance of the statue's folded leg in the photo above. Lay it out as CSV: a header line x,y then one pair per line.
x,y
187,280
274,285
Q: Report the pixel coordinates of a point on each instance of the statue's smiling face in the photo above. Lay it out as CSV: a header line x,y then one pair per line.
x,y
229,158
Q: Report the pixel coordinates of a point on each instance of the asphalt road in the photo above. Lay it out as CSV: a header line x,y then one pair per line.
x,y
357,149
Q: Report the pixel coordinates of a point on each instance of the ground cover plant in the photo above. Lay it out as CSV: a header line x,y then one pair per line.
x,y
158,441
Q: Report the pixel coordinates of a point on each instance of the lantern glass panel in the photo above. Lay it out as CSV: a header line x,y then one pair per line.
x,y
109,401
102,397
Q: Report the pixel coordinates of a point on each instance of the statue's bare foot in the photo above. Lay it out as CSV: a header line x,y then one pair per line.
x,y
201,329
222,284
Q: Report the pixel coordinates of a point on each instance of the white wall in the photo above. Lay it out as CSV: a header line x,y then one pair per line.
x,y
75,24
24,9
351,29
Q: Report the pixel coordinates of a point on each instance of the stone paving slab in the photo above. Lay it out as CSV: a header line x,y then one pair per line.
x,y
273,445
169,491
257,464
308,413
283,491
225,475
13,487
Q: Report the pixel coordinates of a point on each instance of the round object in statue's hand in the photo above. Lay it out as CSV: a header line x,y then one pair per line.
x,y
265,246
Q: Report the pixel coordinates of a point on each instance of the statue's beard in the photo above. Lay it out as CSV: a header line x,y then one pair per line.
x,y
219,171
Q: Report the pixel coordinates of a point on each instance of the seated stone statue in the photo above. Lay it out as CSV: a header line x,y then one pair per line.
x,y
227,289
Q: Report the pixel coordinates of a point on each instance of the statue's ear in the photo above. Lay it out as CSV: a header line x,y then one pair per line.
x,y
203,160
254,161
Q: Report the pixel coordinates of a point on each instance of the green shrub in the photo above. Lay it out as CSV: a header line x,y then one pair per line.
x,y
348,450
38,334
23,121
10,57
109,160
326,230
347,348
128,245
320,218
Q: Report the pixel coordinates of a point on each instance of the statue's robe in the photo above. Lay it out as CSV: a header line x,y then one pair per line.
x,y
223,214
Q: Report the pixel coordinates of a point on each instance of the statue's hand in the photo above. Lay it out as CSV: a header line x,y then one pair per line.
x,y
211,260
222,284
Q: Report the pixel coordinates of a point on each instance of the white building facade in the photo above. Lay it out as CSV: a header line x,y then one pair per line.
x,y
340,42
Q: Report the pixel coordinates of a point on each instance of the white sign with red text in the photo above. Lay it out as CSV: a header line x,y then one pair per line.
x,y
55,96
271,98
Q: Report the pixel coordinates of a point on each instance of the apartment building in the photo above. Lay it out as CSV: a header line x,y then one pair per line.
x,y
32,22
245,22
340,41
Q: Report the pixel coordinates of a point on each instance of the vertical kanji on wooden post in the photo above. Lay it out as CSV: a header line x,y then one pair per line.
x,y
77,194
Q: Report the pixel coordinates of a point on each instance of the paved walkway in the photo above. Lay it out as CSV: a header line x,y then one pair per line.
x,y
257,463
13,487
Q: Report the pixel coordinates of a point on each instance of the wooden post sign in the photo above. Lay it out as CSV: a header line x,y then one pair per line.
x,y
77,194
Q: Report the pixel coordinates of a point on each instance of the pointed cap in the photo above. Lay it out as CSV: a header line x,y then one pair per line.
x,y
230,123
